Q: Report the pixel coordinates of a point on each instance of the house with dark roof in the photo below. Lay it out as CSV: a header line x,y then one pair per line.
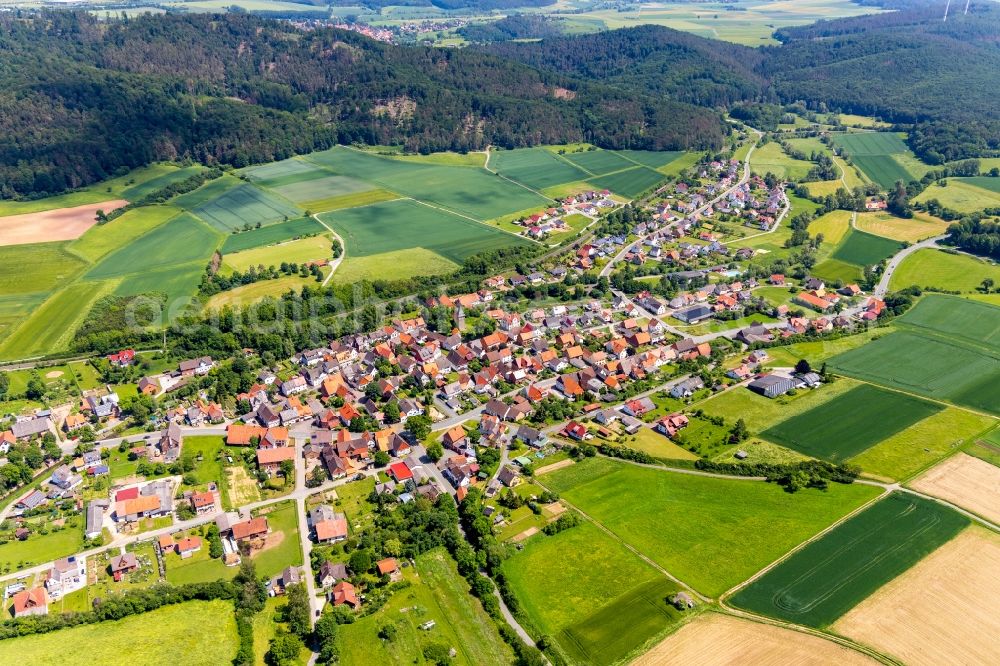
x,y
771,386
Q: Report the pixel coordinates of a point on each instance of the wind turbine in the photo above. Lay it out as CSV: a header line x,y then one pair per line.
x,y
967,2
946,8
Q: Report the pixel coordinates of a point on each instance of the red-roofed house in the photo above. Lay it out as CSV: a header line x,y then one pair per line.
x,y
343,593
31,602
400,472
331,531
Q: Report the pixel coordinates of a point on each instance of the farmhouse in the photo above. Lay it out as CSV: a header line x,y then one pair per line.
x,y
343,594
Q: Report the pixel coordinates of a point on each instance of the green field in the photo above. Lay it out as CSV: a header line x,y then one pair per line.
x,y
598,599
250,293
863,249
414,261
711,533
870,143
537,168
948,351
182,240
883,169
911,230
436,592
287,551
833,225
770,158
101,239
406,224
630,182
40,267
944,270
850,423
244,204
882,156
832,270
828,577
170,176
179,283
273,233
598,162
322,188
275,174
50,328
39,548
194,632
760,413
651,158
297,251
965,195
349,200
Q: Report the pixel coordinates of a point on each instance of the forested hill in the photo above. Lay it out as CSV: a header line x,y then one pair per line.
x,y
81,99
668,62
908,67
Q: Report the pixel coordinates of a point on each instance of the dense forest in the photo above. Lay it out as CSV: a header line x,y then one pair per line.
x,y
81,100
509,28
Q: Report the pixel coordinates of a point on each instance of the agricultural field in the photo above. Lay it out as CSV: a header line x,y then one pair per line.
x,y
882,156
105,238
50,327
242,205
770,158
832,270
194,632
181,240
350,200
299,251
829,576
271,234
965,481
833,225
53,225
436,593
41,267
864,249
905,620
964,195
887,225
250,293
168,175
760,413
944,270
714,638
598,162
537,168
883,169
630,182
870,143
682,522
851,423
179,283
907,452
378,229
584,588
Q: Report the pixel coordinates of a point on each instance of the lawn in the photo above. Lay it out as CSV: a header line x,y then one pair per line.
x,y
964,195
41,267
927,366
250,293
406,224
850,423
711,533
629,183
51,326
658,446
436,593
101,239
828,577
565,580
887,225
209,468
944,270
181,240
352,501
912,450
39,548
198,568
242,205
537,168
863,249
770,158
299,251
194,632
284,551
273,233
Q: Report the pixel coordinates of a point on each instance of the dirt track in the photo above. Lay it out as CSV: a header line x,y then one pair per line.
x,y
53,225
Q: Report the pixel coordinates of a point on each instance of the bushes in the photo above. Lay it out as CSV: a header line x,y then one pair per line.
x,y
564,522
626,453
793,476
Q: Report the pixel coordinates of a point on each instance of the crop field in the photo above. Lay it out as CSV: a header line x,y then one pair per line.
x,y
957,317
51,326
275,174
178,282
923,443
100,240
169,176
832,270
296,251
244,204
181,240
406,224
15,308
652,158
682,522
714,638
193,632
883,169
905,619
870,143
965,195
414,261
53,225
771,158
760,413
598,162
924,365
322,188
887,225
41,267
250,293
630,182
349,200
968,482
850,423
934,268
537,168
833,225
271,234
436,592
863,249
831,575
598,599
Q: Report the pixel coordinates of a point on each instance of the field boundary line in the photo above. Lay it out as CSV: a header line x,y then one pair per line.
x,y
575,165
599,525
335,264
472,219
486,167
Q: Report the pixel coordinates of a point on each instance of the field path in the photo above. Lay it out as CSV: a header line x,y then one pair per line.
x,y
334,264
